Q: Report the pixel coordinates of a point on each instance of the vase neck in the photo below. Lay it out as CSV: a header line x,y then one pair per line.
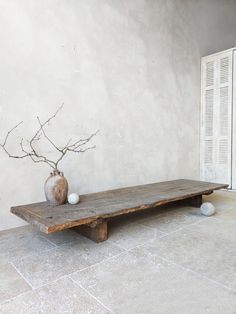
x,y
57,172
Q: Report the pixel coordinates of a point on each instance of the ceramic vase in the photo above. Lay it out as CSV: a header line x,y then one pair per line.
x,y
56,188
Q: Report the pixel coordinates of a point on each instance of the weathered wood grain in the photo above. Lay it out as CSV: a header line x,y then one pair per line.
x,y
104,205
96,231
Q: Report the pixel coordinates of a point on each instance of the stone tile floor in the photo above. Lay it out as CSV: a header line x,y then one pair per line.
x,y
164,261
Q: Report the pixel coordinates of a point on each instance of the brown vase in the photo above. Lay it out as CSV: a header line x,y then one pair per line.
x,y
56,188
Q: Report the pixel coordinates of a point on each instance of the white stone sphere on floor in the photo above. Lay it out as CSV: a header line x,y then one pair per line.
x,y
73,198
207,209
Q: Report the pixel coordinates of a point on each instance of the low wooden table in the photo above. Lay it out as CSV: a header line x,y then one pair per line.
x,y
90,216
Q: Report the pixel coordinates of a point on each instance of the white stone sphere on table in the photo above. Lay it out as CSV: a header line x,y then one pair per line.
x,y
207,209
73,198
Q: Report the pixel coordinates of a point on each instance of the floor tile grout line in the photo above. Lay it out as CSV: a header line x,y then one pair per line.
x,y
19,272
187,226
187,269
55,247
118,245
45,238
197,273
34,289
98,263
165,234
170,261
77,237
69,274
30,255
218,219
168,234
154,237
16,296
181,228
140,245
42,286
151,228
50,282
160,237
89,240
91,295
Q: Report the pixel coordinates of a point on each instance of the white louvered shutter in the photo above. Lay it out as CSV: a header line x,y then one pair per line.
x,y
234,125
216,118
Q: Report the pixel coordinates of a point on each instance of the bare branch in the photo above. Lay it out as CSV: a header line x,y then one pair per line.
x,y
36,157
5,142
81,142
41,129
9,132
84,150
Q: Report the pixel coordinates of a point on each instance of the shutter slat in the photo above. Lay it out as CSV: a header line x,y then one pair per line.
x,y
208,156
216,118
224,111
209,73
223,151
209,112
224,70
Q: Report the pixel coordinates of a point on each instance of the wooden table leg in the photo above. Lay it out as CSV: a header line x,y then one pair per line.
x,y
96,231
195,201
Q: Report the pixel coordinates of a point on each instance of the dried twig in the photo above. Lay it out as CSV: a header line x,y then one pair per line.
x,y
35,156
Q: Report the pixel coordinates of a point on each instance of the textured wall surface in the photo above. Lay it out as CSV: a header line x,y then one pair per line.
x,y
130,68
